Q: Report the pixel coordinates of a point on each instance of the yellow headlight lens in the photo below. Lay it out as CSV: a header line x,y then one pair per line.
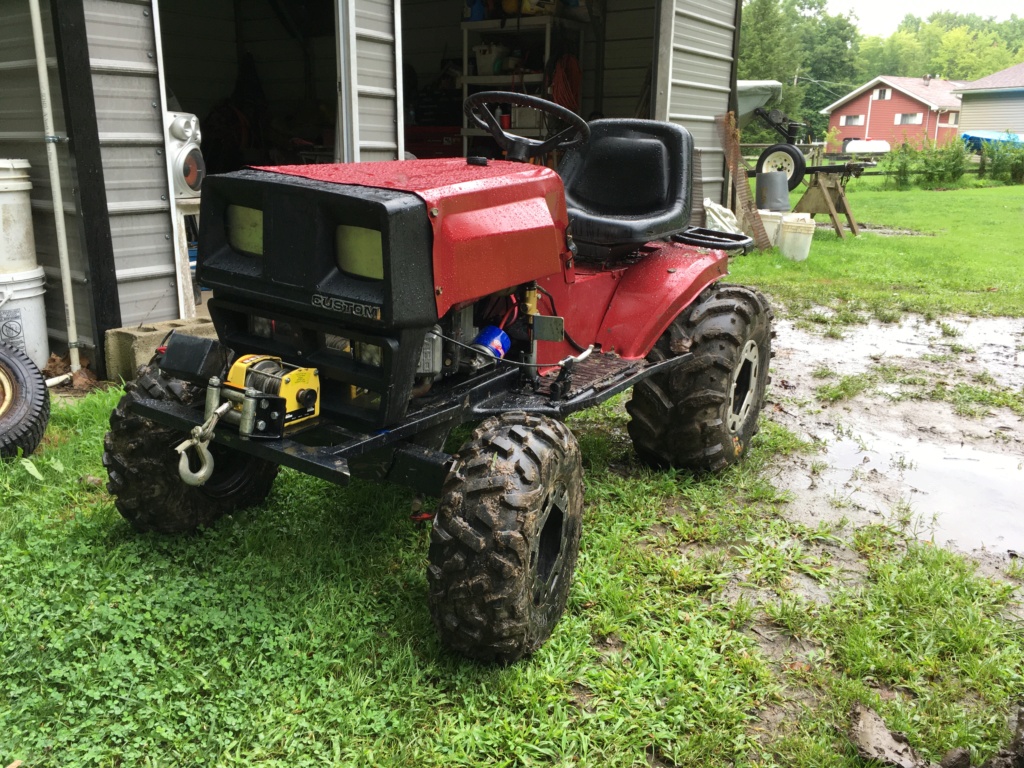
x,y
245,229
359,252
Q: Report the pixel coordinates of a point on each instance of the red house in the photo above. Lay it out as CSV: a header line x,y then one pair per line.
x,y
898,109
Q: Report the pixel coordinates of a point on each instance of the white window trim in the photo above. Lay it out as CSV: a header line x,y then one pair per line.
x,y
949,122
844,121
886,94
918,118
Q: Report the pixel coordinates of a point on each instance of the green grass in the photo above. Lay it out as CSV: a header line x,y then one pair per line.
x,y
298,633
969,264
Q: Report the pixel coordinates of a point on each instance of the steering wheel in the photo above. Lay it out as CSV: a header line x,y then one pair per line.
x,y
519,148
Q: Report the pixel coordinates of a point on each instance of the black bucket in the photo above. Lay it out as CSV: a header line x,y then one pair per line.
x,y
772,191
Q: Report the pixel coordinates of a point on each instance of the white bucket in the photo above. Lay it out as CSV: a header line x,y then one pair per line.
x,y
23,315
795,236
17,243
772,221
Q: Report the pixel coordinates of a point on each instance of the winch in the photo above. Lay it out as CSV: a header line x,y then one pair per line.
x,y
267,395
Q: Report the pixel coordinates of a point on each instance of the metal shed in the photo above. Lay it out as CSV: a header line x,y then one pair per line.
x,y
112,61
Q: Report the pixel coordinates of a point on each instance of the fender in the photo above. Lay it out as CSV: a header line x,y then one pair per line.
x,y
625,307
653,292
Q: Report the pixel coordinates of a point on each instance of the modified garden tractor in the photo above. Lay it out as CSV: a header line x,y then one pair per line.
x,y
364,310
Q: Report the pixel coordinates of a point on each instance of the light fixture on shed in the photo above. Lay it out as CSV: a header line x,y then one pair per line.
x,y
187,165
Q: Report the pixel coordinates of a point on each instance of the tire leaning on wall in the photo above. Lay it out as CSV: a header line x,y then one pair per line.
x,y
24,403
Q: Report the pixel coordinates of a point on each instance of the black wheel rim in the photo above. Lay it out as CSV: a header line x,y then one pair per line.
x,y
547,560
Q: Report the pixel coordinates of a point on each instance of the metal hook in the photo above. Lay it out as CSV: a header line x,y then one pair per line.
x,y
205,463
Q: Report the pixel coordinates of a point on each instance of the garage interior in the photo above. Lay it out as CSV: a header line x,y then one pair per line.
x,y
262,75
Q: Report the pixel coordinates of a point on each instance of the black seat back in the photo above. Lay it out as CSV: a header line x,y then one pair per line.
x,y
630,183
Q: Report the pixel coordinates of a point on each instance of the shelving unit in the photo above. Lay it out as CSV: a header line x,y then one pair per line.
x,y
521,30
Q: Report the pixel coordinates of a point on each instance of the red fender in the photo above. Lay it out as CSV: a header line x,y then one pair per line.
x,y
640,300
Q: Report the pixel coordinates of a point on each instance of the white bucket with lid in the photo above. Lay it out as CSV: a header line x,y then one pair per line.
x,y
23,314
17,243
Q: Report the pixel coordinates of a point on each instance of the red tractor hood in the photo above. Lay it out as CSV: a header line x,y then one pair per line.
x,y
495,225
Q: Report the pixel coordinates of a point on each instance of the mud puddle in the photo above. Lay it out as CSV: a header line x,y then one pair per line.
x,y
883,455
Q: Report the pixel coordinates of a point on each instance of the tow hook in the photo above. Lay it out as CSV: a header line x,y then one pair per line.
x,y
200,439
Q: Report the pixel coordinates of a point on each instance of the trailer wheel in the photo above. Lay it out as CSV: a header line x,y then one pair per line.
x,y
24,403
506,538
785,158
142,466
702,414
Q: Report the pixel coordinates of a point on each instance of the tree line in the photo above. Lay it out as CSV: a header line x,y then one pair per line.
x,y
820,57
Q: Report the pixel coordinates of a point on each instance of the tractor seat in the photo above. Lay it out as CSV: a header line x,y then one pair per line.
x,y
628,185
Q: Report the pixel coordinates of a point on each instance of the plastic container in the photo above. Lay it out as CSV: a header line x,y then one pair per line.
x,y
490,58
772,191
795,236
772,221
23,314
17,243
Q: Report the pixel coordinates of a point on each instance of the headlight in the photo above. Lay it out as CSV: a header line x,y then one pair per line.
x,y
245,229
367,354
359,252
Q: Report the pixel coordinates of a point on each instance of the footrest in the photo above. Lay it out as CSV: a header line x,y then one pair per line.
x,y
596,372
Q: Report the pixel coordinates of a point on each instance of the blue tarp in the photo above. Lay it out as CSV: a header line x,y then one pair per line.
x,y
974,139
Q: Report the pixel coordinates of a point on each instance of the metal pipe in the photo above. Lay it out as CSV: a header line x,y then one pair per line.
x,y
50,137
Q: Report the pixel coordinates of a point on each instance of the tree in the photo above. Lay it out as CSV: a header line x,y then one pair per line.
x,y
901,55
967,55
830,45
770,50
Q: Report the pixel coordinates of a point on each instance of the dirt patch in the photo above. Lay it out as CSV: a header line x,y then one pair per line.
x,y
890,450
878,229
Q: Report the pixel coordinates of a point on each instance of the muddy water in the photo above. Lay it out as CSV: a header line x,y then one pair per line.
x,y
963,478
960,495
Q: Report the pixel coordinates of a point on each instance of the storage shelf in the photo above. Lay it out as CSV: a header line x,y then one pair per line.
x,y
509,79
515,26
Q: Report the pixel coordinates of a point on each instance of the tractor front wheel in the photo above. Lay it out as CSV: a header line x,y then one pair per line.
x,y
506,538
142,466
701,415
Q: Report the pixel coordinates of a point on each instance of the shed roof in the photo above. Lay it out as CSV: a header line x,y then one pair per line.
x,y
933,93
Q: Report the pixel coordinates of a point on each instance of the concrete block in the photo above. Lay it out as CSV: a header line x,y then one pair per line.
x,y
128,348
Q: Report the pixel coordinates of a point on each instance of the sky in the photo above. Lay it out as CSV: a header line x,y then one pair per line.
x,y
881,17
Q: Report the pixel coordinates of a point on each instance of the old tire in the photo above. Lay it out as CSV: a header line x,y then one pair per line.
x,y
701,415
785,158
142,466
24,403
506,538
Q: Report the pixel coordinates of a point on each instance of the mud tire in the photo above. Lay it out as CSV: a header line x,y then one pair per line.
x,y
701,415
142,466
24,403
506,538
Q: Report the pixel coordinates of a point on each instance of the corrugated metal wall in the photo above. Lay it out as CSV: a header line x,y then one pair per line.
x,y
126,84
695,72
992,112
370,79
628,56
21,136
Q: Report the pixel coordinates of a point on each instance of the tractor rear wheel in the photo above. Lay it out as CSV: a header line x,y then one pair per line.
x,y
701,415
142,466
506,538
24,403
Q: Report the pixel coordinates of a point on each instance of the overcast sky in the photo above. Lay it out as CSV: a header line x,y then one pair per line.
x,y
881,17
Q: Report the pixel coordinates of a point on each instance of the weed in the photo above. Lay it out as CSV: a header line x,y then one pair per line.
x,y
846,388
949,331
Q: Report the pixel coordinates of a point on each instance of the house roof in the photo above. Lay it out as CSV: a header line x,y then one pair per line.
x,y
934,93
1011,77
